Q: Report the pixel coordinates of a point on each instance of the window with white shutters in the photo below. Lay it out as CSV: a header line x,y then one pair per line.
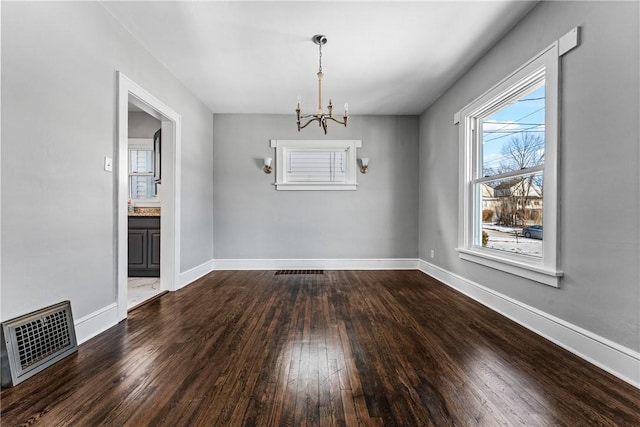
x,y
141,169
316,165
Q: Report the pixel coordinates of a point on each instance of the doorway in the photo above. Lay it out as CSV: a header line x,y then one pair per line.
x,y
143,207
131,94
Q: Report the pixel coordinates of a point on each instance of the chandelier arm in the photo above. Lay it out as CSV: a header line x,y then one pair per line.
x,y
309,122
313,116
344,122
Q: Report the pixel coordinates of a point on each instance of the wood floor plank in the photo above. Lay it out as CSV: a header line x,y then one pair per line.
x,y
343,348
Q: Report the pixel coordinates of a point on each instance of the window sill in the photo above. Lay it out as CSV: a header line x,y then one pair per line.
x,y
537,273
315,186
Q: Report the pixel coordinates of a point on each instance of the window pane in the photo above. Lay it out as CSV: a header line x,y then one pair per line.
x,y
513,136
142,186
511,215
140,161
316,166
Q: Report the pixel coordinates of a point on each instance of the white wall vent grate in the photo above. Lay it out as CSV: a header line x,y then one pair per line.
x,y
32,342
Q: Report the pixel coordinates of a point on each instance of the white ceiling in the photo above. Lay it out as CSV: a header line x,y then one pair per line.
x,y
257,57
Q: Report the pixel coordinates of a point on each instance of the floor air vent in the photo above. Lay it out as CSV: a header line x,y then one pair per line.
x,y
35,341
300,272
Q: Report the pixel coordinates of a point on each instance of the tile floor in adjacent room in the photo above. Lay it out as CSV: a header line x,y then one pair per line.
x,y
141,289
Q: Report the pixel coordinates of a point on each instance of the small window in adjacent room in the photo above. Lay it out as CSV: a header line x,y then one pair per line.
x,y
508,184
142,184
315,165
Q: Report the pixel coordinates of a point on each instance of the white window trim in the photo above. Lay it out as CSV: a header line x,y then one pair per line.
x,y
543,270
282,146
140,144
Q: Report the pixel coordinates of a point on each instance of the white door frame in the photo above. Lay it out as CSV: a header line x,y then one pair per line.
x,y
129,91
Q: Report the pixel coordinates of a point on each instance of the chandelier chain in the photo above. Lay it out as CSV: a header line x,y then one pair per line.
x,y
320,56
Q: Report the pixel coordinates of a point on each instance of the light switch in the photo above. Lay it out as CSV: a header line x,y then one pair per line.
x,y
108,164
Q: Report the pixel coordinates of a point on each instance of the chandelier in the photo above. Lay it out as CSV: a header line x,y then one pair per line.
x,y
320,116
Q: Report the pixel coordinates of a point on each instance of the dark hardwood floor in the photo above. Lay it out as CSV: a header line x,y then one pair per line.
x,y
344,348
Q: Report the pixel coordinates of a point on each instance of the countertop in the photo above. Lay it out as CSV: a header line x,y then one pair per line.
x,y
140,211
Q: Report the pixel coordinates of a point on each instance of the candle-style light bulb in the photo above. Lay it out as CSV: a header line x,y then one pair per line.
x,y
267,164
346,109
298,102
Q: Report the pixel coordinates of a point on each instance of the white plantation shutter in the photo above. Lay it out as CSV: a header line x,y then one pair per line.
x,y
317,166
141,158
141,161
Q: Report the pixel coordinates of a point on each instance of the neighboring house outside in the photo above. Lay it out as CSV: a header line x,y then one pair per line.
x,y
512,202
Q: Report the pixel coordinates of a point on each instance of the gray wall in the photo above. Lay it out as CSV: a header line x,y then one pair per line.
x,y
254,221
59,63
599,162
142,125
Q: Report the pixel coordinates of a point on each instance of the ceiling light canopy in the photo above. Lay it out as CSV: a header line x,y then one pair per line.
x,y
320,116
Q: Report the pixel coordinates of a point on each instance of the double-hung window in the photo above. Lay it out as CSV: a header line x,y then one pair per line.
x,y
142,184
509,167
316,165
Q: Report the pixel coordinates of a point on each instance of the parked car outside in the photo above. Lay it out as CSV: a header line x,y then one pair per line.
x,y
533,232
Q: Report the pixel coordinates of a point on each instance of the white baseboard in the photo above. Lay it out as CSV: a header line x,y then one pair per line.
x,y
326,264
194,274
99,321
614,358
95,323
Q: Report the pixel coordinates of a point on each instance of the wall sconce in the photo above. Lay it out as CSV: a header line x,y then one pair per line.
x,y
364,164
267,164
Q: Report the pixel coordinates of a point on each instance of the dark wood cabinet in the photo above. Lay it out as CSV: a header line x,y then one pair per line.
x,y
154,248
144,246
137,249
